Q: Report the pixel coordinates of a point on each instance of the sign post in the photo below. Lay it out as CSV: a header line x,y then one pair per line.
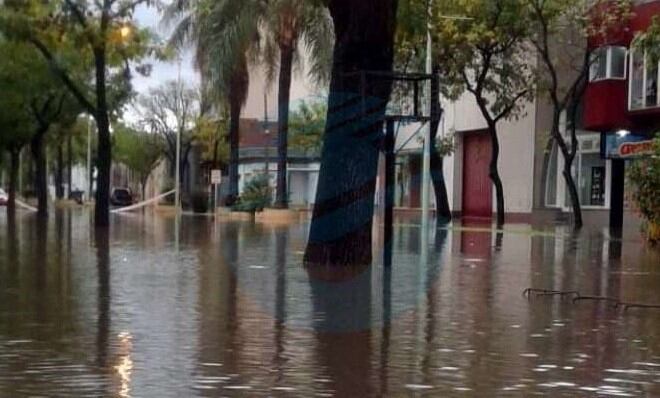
x,y
216,179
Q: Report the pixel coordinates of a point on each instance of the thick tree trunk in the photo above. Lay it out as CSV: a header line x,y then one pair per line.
x,y
495,175
283,96
340,232
104,151
41,174
15,159
59,172
234,123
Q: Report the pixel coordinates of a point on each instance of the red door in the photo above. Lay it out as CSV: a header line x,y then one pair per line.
x,y
477,187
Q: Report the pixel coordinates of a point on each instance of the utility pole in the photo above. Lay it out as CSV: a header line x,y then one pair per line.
x,y
90,181
177,172
426,160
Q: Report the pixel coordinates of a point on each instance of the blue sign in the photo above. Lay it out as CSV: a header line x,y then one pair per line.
x,y
615,146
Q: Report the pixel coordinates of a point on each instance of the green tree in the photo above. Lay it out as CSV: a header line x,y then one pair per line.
x,y
15,130
45,100
307,124
484,54
100,34
140,151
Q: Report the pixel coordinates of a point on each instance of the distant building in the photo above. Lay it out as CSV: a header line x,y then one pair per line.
x,y
258,153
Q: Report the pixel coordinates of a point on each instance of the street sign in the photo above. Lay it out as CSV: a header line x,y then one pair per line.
x,y
216,176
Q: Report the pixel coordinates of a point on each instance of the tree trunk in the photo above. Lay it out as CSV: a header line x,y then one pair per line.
x,y
41,174
283,96
69,152
104,149
340,233
59,172
442,210
495,175
234,123
568,164
573,193
15,159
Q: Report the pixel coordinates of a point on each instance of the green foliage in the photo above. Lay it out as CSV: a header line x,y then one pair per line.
x,y
290,22
306,126
444,145
138,150
256,195
481,49
69,36
649,40
644,173
211,135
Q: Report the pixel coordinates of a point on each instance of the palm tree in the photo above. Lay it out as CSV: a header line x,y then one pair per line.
x,y
231,34
224,34
286,24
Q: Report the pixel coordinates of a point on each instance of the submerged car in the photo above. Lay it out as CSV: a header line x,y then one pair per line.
x,y
3,197
121,197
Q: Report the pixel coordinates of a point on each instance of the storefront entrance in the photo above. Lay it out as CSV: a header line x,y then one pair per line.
x,y
477,187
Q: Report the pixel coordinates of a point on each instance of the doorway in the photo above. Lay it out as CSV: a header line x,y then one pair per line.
x,y
477,186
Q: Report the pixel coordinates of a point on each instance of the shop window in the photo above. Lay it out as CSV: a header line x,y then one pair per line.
x,y
643,87
608,63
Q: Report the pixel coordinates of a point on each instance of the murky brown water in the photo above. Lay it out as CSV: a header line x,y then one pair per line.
x,y
230,311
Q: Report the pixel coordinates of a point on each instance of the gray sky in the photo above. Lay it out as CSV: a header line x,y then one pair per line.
x,y
162,71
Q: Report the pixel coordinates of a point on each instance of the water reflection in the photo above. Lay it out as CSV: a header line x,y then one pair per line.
x,y
233,312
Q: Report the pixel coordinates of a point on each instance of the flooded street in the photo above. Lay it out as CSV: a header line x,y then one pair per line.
x,y
227,309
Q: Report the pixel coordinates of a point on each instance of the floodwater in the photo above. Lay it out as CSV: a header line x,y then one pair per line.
x,y
227,309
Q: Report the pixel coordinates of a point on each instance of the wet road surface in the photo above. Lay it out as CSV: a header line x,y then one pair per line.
x,y
227,309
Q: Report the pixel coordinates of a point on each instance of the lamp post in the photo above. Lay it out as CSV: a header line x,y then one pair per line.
x,y
177,172
267,150
90,180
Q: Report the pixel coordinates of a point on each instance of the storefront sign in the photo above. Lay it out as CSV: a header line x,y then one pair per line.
x,y
629,146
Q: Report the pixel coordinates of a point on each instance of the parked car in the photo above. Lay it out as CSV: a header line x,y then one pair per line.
x,y
3,197
121,197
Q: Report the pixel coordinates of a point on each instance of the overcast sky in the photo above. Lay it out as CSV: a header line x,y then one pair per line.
x,y
162,71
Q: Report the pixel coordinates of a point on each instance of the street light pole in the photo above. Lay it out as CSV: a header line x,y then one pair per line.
x,y
177,172
90,182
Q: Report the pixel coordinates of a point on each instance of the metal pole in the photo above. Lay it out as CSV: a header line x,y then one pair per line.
x,y
177,172
426,164
89,158
390,159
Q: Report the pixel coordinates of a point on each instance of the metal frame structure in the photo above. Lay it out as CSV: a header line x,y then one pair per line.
x,y
431,83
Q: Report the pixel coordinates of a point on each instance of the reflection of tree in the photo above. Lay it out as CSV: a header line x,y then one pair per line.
x,y
101,240
343,329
